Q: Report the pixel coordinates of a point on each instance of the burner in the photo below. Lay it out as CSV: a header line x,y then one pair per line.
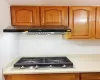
x,y
54,61
57,60
29,62
43,62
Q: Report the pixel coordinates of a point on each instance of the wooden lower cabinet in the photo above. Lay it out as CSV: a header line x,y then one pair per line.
x,y
43,77
90,76
63,76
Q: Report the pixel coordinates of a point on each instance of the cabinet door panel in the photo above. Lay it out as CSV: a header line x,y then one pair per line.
x,y
98,23
82,22
44,77
25,16
90,76
54,15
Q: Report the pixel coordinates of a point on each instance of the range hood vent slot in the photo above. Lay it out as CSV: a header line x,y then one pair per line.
x,y
43,33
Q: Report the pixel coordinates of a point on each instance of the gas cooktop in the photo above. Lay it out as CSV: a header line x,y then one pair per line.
x,y
37,62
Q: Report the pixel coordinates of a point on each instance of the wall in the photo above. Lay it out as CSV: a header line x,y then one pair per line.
x,y
54,45
54,2
8,41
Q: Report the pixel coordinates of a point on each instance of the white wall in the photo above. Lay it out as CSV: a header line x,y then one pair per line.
x,y
8,41
40,45
54,2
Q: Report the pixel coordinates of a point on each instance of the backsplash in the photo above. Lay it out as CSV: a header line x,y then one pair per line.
x,y
52,45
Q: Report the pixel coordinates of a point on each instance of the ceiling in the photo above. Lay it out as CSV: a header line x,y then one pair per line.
x,y
54,2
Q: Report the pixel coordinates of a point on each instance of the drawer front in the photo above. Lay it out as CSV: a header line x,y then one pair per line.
x,y
90,76
44,77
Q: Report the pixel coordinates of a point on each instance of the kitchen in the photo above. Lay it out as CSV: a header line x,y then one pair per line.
x,y
13,45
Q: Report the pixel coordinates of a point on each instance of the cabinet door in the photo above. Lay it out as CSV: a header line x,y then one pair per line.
x,y
90,76
54,15
43,77
25,16
82,22
98,23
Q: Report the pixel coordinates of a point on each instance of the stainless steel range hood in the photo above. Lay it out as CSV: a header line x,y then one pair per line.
x,y
38,29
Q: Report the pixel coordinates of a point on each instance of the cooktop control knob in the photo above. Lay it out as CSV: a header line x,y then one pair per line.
x,y
31,67
64,66
50,66
22,67
36,67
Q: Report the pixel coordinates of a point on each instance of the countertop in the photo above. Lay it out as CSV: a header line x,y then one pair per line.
x,y
82,63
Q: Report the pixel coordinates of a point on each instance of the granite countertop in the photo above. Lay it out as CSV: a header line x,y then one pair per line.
x,y
82,63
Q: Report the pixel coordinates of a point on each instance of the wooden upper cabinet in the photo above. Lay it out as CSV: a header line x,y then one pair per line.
x,y
25,16
82,22
54,15
97,23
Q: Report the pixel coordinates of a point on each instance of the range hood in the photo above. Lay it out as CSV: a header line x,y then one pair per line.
x,y
38,29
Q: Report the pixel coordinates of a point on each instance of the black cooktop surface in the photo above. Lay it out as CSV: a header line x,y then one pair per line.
x,y
44,62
